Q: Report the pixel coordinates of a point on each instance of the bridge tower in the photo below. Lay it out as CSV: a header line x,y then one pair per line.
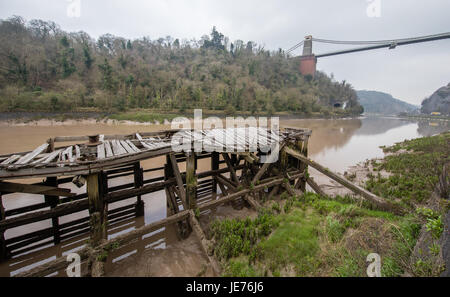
x,y
308,60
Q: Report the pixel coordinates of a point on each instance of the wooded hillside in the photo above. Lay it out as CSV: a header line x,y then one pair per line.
x,y
43,68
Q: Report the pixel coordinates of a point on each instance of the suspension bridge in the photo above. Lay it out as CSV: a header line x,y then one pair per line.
x,y
308,60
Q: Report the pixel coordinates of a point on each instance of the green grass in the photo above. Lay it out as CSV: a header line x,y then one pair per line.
x,y
294,242
310,235
414,173
311,239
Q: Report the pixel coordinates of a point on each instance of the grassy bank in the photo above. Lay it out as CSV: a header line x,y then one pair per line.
x,y
143,116
414,168
150,115
310,235
314,236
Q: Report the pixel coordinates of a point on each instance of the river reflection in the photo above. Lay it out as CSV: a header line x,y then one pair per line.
x,y
337,144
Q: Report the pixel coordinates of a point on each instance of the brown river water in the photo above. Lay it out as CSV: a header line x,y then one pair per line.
x,y
336,144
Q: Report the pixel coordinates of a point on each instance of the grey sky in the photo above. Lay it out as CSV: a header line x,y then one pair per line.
x,y
409,73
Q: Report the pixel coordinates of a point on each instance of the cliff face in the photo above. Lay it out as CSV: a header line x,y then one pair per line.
x,y
438,102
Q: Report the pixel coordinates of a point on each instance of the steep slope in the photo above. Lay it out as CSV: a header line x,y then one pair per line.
x,y
43,68
438,102
383,103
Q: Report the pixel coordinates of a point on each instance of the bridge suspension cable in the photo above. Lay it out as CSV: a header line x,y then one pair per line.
x,y
295,47
372,44
380,41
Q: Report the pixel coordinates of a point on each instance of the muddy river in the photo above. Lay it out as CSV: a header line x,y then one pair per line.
x,y
336,144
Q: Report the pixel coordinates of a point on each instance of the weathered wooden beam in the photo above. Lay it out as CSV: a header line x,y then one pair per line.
x,y
206,244
60,210
52,266
273,192
223,190
315,187
233,196
378,201
214,167
253,203
28,157
292,191
3,250
97,207
138,174
179,180
8,187
223,180
191,181
82,167
230,167
53,202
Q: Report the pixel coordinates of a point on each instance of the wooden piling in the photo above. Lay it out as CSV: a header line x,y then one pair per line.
x,y
214,166
3,250
302,146
97,207
138,174
53,202
191,181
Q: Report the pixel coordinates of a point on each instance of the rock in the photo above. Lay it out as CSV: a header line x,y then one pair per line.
x,y
438,102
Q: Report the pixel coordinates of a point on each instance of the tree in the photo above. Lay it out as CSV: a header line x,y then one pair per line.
x,y
216,41
107,76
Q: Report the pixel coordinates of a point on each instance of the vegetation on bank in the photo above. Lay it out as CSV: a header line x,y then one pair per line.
x,y
43,68
414,167
143,117
315,236
310,235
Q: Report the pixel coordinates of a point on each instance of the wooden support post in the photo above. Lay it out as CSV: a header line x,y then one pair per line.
x,y
253,203
168,173
302,146
97,207
315,187
290,190
179,180
3,251
191,181
139,182
214,166
230,167
53,202
172,170
273,192
283,161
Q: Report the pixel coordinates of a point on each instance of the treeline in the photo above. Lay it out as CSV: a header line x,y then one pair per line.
x,y
43,68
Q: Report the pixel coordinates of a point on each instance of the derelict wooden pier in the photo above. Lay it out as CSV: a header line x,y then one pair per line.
x,y
94,160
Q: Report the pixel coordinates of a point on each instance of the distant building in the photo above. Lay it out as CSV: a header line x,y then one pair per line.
x,y
435,113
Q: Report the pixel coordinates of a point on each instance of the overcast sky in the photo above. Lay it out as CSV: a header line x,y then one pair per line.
x,y
409,73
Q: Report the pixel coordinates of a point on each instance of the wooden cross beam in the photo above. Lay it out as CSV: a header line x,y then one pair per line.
x,y
8,187
179,180
378,201
230,167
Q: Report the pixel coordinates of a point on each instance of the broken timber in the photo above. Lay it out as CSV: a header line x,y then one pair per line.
x,y
96,160
377,201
